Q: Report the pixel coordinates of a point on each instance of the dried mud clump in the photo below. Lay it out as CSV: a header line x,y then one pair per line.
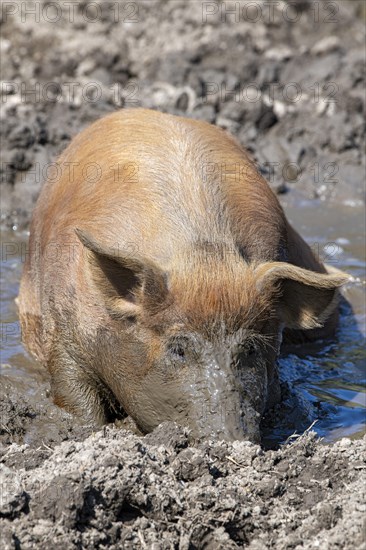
x,y
118,490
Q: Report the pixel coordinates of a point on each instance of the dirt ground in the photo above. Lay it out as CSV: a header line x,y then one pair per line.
x,y
64,485
116,490
288,80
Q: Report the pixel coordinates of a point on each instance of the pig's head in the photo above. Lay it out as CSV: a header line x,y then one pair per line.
x,y
197,342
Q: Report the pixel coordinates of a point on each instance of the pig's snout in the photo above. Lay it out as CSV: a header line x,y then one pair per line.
x,y
219,407
217,391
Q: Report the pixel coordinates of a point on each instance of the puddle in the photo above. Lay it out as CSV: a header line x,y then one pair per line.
x,y
326,381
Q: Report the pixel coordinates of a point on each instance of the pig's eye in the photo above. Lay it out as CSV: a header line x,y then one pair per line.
x,y
177,351
251,350
247,350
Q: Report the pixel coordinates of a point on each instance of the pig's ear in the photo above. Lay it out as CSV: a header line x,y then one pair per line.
x,y
305,298
127,280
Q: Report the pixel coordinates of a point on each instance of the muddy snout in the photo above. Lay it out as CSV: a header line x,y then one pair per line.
x,y
220,408
209,400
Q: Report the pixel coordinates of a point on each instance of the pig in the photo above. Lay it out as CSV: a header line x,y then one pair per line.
x,y
161,275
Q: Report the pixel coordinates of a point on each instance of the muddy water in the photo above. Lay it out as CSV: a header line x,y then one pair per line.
x,y
326,380
323,382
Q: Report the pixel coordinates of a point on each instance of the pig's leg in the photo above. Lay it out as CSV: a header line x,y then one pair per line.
x,y
81,392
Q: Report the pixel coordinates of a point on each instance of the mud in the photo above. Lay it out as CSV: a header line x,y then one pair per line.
x,y
289,83
116,490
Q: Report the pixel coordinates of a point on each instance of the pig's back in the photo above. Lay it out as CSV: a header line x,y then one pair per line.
x,y
159,182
